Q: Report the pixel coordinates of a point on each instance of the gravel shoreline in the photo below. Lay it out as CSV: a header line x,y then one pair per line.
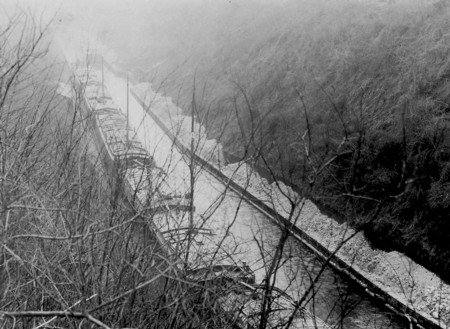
x,y
392,271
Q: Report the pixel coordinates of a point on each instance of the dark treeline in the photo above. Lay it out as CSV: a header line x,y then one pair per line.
x,y
355,91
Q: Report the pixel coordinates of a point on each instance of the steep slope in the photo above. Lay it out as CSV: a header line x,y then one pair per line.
x,y
348,97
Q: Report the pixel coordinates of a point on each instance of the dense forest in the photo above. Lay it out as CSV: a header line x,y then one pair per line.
x,y
351,97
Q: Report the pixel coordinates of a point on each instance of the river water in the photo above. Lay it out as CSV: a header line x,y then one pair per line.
x,y
252,235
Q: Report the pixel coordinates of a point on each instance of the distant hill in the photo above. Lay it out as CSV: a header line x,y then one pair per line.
x,y
352,97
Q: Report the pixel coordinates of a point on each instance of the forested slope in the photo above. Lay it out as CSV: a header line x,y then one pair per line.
x,y
349,97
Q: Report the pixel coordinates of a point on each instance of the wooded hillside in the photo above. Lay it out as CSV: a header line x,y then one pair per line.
x,y
353,93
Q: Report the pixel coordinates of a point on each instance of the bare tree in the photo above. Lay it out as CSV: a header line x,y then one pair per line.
x,y
87,244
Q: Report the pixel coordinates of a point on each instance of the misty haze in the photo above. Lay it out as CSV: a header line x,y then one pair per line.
x,y
225,164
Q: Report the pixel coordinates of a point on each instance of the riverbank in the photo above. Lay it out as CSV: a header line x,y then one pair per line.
x,y
393,272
